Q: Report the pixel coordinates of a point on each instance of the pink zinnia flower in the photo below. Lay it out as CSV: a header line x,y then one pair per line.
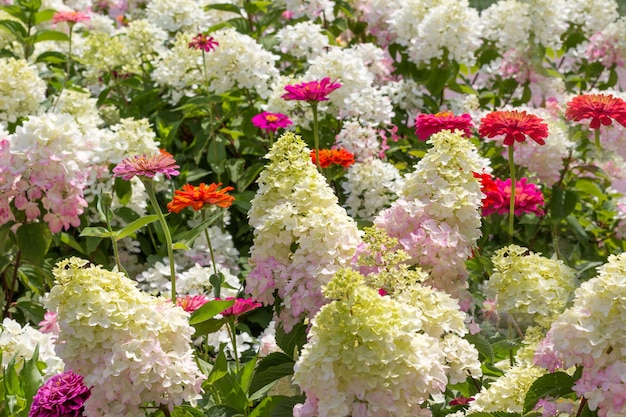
x,y
528,198
241,306
427,125
204,42
271,121
191,303
311,91
515,125
63,395
71,17
147,166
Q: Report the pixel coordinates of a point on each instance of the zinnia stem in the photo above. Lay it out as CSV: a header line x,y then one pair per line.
x,y
208,241
166,232
316,139
596,135
206,73
512,200
232,332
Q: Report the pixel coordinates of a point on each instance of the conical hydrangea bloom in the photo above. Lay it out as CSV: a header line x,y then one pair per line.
x,y
301,234
132,349
437,217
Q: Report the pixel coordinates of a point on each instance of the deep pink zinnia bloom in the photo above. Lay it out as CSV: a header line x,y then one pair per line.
x,y
311,91
204,42
63,395
147,166
427,125
515,125
528,198
271,121
241,306
191,303
71,17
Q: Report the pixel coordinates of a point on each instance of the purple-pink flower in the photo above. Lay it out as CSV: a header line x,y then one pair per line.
x,y
191,303
311,91
204,42
147,166
429,124
63,395
241,306
271,121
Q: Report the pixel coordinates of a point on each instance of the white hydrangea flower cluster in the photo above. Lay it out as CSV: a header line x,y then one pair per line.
x,y
528,284
407,95
130,348
81,105
591,334
359,97
312,9
302,40
370,186
361,141
507,23
238,61
592,15
437,217
145,39
131,137
429,28
185,15
103,53
19,343
373,355
301,234
21,90
548,22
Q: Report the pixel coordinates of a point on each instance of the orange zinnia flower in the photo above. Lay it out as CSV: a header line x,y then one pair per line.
x,y
516,125
197,197
330,157
600,108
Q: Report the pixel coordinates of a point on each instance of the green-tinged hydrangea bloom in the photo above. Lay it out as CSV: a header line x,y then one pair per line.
x,y
301,234
373,355
21,89
529,285
131,349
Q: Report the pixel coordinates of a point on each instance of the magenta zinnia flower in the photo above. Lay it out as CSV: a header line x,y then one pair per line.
x,y
427,125
71,17
515,125
147,166
311,91
528,198
204,42
241,306
63,395
191,303
271,121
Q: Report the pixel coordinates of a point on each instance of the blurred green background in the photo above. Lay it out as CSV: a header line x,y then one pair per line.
x,y
481,4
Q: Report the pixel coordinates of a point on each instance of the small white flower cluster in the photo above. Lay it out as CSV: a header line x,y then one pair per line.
x,y
21,90
81,105
370,186
361,141
185,15
507,23
592,15
19,343
312,9
548,21
130,348
530,285
130,137
427,29
302,40
301,234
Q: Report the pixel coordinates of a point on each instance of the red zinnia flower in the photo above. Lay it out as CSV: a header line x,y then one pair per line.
x,y
528,198
311,91
197,197
600,108
271,121
516,125
147,166
204,42
330,157
241,306
429,124
71,17
493,197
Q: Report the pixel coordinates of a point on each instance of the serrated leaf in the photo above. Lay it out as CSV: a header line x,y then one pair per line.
x,y
209,310
482,345
134,226
554,385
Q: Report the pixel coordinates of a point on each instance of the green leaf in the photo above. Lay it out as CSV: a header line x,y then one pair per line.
x,y
208,326
216,154
13,27
291,342
34,240
249,176
578,230
31,377
554,385
96,231
244,377
265,407
69,240
482,345
186,240
219,370
50,35
589,187
51,57
209,310
273,367
134,226
223,411
44,15
186,411
225,7
285,407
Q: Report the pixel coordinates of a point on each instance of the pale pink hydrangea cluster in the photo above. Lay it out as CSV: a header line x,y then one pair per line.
x,y
132,349
591,334
382,355
45,166
301,234
437,217
370,186
19,343
608,46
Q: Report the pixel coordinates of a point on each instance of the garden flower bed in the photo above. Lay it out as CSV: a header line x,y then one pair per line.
x,y
312,208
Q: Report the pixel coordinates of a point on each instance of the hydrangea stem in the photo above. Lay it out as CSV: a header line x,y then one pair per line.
x,y
316,139
512,200
166,232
